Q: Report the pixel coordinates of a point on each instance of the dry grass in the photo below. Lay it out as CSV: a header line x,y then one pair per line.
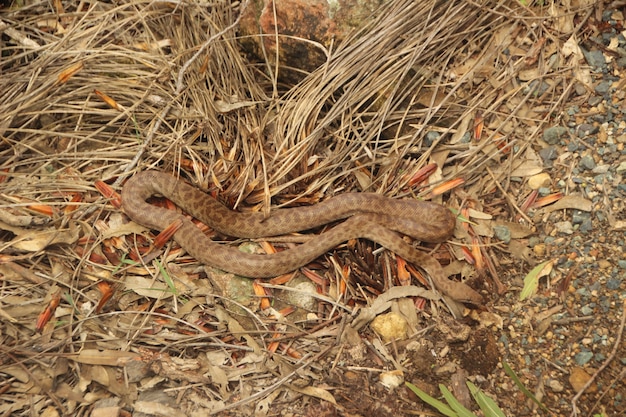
x,y
359,122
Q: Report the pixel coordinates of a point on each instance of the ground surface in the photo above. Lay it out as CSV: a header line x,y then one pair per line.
x,y
84,329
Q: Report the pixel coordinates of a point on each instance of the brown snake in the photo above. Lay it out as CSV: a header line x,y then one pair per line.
x,y
370,216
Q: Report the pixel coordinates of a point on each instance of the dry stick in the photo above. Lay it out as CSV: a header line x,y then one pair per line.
x,y
604,365
508,197
177,91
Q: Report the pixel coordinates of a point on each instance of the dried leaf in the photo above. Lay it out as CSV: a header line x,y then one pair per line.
x,y
147,287
34,241
531,281
571,202
104,357
518,231
316,392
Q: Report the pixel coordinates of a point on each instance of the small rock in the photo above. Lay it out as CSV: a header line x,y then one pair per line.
x,y
431,137
613,283
539,249
586,310
552,134
503,233
540,180
390,326
579,216
586,226
548,154
564,227
583,357
578,378
586,129
601,169
555,385
595,59
587,163
391,379
594,101
603,87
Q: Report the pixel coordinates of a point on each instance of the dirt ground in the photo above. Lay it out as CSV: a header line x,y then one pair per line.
x,y
90,328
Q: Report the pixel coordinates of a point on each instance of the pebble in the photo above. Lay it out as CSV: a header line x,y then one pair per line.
x,y
548,154
565,227
583,357
603,87
552,135
555,385
579,216
539,249
540,180
390,326
503,233
596,60
587,163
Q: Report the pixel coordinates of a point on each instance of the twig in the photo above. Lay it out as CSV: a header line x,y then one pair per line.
x,y
604,365
508,197
177,91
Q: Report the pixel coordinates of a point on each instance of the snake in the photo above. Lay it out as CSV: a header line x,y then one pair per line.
x,y
370,216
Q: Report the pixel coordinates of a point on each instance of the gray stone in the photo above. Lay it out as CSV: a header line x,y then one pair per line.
x,y
587,163
552,135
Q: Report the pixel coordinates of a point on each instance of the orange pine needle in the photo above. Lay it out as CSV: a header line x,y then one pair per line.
x,y
447,186
48,312
465,213
107,292
316,278
42,209
268,247
282,279
345,276
262,292
70,207
68,73
404,276
108,100
479,124
167,233
292,352
287,311
549,199
467,254
477,254
530,201
418,275
422,174
273,346
108,192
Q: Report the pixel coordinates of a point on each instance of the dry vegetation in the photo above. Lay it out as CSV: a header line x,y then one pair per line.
x,y
100,90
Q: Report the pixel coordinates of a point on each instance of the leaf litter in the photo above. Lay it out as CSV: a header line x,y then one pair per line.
x,y
470,88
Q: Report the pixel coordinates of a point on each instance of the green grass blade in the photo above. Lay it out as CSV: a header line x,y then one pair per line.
x,y
441,407
167,278
486,404
454,403
511,373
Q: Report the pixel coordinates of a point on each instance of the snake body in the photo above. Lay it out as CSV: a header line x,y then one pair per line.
x,y
368,215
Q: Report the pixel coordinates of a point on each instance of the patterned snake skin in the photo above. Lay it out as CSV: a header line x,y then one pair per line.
x,y
370,216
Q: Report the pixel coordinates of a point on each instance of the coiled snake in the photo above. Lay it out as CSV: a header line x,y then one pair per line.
x,y
370,216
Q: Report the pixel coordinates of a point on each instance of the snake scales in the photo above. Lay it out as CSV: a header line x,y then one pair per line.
x,y
370,216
